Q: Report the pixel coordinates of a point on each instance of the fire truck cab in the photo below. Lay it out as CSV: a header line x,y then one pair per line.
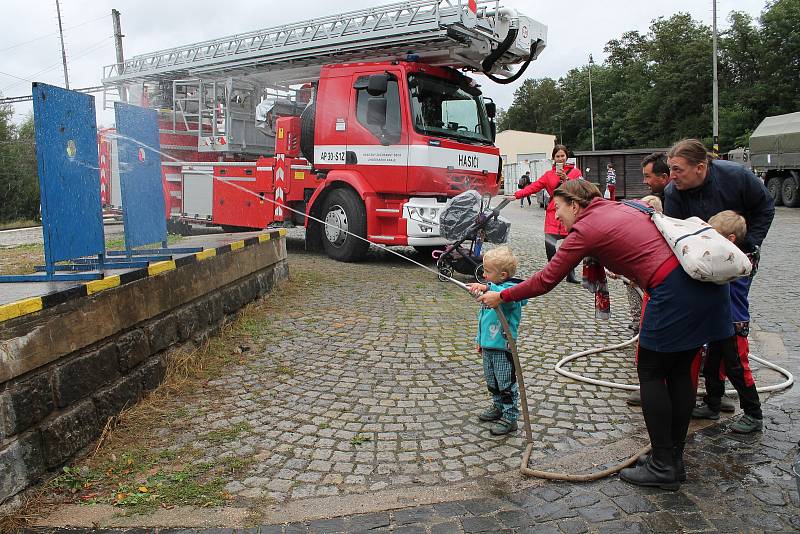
x,y
395,140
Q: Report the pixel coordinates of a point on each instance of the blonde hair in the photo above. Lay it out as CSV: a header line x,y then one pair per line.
x,y
654,203
502,258
729,222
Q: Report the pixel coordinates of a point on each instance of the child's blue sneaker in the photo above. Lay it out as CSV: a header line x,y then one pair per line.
x,y
502,427
492,414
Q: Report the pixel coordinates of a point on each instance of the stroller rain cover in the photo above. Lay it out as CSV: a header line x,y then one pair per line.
x,y
459,220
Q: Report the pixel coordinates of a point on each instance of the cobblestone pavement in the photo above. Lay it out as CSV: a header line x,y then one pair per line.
x,y
371,383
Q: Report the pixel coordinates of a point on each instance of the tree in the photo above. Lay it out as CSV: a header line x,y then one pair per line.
x,y
655,88
535,108
19,186
781,56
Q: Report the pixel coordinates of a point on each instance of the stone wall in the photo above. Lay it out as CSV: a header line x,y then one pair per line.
x,y
55,401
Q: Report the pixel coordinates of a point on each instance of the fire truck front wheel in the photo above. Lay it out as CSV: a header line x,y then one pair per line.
x,y
344,214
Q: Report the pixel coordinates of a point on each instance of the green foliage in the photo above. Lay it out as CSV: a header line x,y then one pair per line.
x,y
225,435
656,88
360,439
19,183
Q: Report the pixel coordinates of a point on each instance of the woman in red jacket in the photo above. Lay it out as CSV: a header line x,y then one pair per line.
x,y
560,173
681,314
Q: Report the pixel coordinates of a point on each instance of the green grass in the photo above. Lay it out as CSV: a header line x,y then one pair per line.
x,y
284,370
22,223
118,242
226,434
142,480
74,480
185,487
21,259
360,439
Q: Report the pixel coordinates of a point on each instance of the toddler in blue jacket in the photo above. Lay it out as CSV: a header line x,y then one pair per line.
x,y
499,265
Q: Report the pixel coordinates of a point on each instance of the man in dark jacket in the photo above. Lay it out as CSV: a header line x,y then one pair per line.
x,y
524,181
702,187
706,187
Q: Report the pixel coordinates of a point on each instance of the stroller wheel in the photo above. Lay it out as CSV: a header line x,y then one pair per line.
x,y
479,274
445,270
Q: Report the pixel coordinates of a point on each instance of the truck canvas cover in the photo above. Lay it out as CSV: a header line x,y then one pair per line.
x,y
775,143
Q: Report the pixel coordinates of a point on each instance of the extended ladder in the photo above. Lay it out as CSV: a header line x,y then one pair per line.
x,y
443,32
213,89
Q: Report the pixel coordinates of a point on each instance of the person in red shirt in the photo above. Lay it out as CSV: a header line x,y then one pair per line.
x,y
611,182
681,314
560,173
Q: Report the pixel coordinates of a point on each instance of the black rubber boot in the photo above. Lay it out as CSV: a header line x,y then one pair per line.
x,y
658,470
680,468
677,458
572,278
549,246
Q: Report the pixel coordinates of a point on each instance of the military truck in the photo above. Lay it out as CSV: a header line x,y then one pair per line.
x,y
775,156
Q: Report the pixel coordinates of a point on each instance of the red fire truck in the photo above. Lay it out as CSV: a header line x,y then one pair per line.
x,y
365,120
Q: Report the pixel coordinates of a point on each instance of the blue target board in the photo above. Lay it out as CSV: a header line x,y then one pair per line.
x,y
139,148
69,176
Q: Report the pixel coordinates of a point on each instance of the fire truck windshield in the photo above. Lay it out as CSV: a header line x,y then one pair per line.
x,y
443,108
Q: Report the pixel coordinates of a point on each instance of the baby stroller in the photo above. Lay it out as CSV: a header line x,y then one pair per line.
x,y
468,222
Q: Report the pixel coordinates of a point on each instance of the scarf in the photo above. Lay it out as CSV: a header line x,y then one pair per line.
x,y
594,280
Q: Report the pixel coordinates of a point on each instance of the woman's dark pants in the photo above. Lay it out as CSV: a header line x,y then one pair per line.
x,y
668,394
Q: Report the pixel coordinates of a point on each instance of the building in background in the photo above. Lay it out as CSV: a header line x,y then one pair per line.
x,y
521,152
627,164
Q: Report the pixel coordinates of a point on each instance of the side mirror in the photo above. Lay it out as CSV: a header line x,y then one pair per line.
x,y
378,84
491,110
376,112
493,130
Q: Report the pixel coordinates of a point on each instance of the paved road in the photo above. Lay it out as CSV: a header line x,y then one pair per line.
x,y
27,236
364,392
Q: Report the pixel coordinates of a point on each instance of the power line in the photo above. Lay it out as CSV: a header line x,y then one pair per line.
x,y
12,76
27,98
83,53
51,34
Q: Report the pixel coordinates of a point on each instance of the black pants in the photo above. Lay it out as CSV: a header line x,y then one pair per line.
x,y
665,382
550,241
726,350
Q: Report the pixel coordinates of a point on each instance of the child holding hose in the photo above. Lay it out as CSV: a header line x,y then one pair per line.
x,y
499,265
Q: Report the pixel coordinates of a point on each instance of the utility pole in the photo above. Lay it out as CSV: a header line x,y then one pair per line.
x,y
123,93
715,90
591,105
63,50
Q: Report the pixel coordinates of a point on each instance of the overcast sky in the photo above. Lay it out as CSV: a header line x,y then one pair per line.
x,y
30,49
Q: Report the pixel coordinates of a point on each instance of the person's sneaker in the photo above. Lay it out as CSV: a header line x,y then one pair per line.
x,y
747,424
503,426
492,414
704,412
727,404
634,399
